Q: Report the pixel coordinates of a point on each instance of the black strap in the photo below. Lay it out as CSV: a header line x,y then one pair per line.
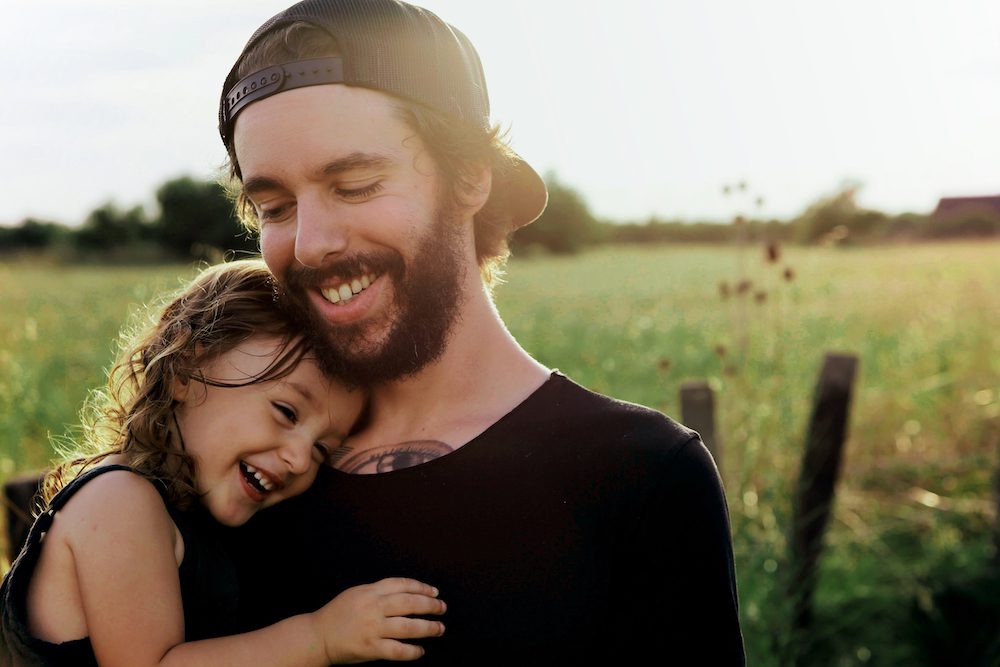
x,y
44,520
67,491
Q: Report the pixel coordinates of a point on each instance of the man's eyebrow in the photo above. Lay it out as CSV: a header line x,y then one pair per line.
x,y
356,160
256,184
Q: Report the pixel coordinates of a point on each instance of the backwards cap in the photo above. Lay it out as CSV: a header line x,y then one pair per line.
x,y
399,49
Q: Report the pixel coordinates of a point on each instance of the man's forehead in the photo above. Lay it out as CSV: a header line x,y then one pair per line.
x,y
331,127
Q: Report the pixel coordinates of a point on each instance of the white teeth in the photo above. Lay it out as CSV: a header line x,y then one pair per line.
x,y
346,291
265,483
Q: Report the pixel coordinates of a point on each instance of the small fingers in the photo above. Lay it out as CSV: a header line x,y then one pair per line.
x,y
401,627
404,585
405,604
390,649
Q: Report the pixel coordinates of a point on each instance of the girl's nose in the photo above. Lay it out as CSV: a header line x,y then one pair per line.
x,y
297,455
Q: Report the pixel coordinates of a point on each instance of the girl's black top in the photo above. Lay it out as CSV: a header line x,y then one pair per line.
x,y
208,586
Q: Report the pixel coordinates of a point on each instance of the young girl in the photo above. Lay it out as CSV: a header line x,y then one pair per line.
x,y
216,412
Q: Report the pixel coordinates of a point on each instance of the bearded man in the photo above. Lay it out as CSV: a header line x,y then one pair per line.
x,y
560,526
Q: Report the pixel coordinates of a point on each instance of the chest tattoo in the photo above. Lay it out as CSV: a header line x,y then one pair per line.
x,y
386,458
337,455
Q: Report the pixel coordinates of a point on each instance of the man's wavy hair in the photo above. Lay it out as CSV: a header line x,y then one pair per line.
x,y
458,149
222,307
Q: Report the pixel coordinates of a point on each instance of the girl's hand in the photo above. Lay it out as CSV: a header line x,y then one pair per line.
x,y
366,622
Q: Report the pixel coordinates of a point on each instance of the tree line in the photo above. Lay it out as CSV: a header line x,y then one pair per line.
x,y
195,219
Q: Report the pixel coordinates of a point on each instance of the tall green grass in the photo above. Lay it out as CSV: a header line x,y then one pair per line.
x,y
914,510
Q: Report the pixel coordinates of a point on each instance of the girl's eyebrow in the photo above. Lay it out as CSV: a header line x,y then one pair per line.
x,y
303,390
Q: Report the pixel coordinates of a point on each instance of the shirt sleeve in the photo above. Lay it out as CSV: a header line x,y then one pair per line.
x,y
683,585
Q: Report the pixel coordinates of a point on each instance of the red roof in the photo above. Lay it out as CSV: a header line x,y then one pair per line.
x,y
949,207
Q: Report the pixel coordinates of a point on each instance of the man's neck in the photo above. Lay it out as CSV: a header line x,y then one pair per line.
x,y
481,376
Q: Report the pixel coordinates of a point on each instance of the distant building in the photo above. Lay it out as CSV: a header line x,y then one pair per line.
x,y
953,208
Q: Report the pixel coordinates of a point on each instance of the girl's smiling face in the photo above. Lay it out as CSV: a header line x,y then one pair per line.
x,y
257,444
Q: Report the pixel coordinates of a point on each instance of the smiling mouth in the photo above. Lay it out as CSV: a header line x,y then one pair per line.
x,y
345,291
257,480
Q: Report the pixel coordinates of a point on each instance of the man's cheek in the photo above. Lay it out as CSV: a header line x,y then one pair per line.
x,y
278,249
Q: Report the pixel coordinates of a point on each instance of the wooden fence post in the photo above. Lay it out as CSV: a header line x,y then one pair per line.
x,y
19,502
814,492
698,413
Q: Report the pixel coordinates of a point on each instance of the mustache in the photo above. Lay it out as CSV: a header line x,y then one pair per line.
x,y
300,277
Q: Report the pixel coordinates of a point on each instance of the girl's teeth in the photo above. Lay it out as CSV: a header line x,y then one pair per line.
x,y
266,483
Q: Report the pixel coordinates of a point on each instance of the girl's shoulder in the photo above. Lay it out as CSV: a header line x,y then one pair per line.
x,y
105,489
105,503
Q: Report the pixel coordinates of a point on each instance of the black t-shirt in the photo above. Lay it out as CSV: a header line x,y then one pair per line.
x,y
575,529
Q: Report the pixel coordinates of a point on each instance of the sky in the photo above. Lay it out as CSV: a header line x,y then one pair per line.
x,y
646,107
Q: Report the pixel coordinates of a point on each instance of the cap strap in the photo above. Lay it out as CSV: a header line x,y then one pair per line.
x,y
279,78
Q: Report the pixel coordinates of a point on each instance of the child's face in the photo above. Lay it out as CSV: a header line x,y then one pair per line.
x,y
258,444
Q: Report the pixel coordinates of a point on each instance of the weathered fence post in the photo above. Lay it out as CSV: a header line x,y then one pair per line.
x,y
19,502
698,413
814,492
996,519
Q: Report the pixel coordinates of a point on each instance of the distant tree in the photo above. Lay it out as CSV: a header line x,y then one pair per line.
x,y
197,220
830,213
974,224
838,217
564,227
109,228
905,227
31,234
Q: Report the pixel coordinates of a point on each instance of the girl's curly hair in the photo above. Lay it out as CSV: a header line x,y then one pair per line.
x,y
223,306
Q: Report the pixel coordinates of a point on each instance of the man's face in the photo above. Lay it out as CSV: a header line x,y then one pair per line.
x,y
353,226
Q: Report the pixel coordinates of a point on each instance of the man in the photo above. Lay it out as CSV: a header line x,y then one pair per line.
x,y
559,525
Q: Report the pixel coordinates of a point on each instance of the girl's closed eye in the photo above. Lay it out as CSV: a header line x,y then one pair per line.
x,y
286,412
321,452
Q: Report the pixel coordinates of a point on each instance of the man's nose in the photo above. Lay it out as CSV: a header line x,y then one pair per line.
x,y
321,231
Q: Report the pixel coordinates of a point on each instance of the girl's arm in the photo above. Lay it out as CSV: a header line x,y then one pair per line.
x,y
123,545
362,623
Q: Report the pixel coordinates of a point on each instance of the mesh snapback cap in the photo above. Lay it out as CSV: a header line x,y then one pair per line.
x,y
400,49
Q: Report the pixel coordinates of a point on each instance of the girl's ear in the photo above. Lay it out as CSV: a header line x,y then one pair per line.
x,y
180,384
179,387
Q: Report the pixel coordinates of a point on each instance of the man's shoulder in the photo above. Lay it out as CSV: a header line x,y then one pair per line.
x,y
587,411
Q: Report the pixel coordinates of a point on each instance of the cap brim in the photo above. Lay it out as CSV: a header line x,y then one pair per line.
x,y
520,192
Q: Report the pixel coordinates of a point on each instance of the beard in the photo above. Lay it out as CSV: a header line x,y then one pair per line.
x,y
413,332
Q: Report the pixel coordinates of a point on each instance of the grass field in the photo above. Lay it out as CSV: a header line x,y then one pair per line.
x,y
911,531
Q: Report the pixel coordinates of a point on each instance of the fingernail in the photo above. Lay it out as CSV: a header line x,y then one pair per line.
x,y
435,591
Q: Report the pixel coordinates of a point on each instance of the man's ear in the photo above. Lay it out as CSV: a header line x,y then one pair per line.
x,y
477,192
